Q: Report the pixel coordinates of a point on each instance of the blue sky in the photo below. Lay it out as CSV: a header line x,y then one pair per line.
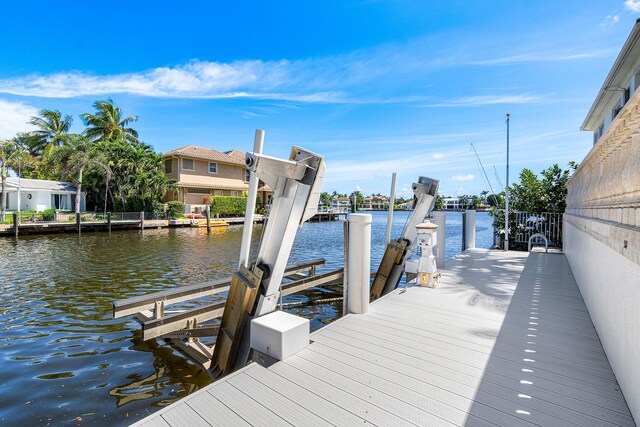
x,y
375,86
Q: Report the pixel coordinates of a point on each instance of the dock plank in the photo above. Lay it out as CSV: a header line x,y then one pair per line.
x,y
505,340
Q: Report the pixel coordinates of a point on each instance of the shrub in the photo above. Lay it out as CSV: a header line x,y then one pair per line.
x,y
175,209
229,206
158,209
48,214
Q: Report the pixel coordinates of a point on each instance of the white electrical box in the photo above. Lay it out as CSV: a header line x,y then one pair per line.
x,y
279,334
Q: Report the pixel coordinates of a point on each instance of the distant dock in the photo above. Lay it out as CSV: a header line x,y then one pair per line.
x,y
504,340
35,224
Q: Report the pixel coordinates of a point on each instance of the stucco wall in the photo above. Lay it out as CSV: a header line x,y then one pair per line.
x,y
609,281
224,170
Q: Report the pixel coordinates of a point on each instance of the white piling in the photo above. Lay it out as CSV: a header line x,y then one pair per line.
x,y
258,142
392,201
359,263
470,237
440,219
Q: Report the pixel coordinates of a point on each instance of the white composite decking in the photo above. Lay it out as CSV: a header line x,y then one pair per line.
x,y
505,340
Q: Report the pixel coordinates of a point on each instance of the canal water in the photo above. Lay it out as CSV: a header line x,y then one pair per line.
x,y
66,361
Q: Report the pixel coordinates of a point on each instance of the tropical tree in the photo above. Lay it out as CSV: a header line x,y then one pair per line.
x,y
108,123
11,154
76,157
51,130
325,198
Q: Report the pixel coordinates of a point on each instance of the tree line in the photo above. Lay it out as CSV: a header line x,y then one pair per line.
x,y
107,160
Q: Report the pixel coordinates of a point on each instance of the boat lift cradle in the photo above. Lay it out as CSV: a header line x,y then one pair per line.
x,y
398,251
254,292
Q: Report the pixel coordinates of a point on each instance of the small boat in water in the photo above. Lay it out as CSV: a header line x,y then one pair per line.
x,y
214,223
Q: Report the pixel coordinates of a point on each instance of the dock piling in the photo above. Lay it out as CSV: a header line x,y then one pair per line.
x,y
208,219
470,229
109,222
78,223
16,224
440,218
142,221
358,271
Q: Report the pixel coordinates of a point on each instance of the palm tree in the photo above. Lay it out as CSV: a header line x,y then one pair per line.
x,y
107,123
76,157
10,156
51,130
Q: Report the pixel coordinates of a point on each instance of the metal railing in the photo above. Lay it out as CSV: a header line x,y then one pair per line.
x,y
85,217
548,224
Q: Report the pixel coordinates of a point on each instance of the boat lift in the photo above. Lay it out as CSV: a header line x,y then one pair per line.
x,y
398,251
253,291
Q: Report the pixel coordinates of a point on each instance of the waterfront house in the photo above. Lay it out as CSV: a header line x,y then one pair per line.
x,y
601,229
202,173
451,203
375,203
341,203
39,194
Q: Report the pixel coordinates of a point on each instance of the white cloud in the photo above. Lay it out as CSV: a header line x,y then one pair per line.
x,y
488,100
609,21
196,79
437,156
463,178
632,5
546,56
14,117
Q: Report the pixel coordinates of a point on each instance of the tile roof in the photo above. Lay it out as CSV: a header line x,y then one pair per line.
x,y
209,154
40,184
240,155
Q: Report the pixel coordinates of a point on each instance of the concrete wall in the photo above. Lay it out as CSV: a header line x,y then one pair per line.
x,y
609,281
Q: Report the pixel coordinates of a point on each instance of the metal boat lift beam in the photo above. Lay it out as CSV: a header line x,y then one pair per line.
x,y
397,251
296,187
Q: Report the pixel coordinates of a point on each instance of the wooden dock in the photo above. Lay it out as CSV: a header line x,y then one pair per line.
x,y
505,340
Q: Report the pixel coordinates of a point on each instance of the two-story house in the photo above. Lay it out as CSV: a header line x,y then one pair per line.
x,y
202,173
375,203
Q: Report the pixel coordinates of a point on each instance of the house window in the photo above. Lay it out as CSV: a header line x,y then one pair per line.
x,y
218,192
234,194
616,110
213,167
198,190
60,202
247,175
598,134
168,165
187,164
626,96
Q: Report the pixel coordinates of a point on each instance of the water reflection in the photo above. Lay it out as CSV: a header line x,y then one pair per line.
x,y
63,356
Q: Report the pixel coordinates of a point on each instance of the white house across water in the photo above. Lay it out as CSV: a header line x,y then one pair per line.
x,y
39,195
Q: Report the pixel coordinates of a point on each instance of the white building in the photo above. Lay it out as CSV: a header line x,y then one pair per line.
x,y
601,230
451,203
39,195
341,203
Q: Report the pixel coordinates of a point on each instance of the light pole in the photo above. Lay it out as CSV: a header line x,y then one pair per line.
x,y
506,189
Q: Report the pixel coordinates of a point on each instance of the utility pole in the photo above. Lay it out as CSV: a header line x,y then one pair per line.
x,y
506,205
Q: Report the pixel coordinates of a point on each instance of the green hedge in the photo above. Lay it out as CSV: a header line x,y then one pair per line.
x,y
229,206
175,209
